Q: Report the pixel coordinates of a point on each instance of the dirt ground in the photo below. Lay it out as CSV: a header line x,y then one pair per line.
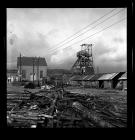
x,y
89,91
112,93
92,91
19,89
103,108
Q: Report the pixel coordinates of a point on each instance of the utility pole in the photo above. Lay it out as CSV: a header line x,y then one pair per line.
x,y
38,70
33,70
20,68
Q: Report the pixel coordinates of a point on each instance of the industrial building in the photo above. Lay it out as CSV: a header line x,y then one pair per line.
x,y
75,80
122,82
101,80
31,68
86,80
94,80
109,80
84,62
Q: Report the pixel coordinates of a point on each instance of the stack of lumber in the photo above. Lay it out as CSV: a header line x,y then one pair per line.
x,y
59,108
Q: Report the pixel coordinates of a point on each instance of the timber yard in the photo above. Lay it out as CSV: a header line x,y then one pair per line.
x,y
67,100
59,75
64,109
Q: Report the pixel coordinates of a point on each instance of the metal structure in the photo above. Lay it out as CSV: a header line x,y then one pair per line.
x,y
84,62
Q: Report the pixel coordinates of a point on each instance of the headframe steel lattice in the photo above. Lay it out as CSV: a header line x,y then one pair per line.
x,y
84,62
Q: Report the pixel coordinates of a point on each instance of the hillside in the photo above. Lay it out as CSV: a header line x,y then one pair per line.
x,y
58,71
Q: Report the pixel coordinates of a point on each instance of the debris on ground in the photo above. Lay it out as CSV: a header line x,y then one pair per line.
x,y
57,108
47,87
29,85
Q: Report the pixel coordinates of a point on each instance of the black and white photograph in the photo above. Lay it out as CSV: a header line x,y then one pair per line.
x,y
66,67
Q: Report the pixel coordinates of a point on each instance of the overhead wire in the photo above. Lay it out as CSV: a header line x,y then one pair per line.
x,y
86,27
54,50
94,34
89,29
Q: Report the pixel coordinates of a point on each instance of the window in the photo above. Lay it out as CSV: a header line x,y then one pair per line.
x,y
23,73
41,74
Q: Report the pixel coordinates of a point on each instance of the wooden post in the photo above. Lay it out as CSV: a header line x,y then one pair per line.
x,y
38,70
33,70
20,68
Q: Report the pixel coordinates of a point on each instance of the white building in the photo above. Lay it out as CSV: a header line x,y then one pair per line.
x,y
30,68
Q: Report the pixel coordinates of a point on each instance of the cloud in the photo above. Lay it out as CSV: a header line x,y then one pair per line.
x,y
116,67
26,45
38,31
61,56
110,51
118,40
66,64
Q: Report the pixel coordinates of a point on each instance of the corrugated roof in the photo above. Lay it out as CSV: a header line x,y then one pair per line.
x,y
83,77
28,61
96,76
75,78
71,77
88,77
108,76
124,76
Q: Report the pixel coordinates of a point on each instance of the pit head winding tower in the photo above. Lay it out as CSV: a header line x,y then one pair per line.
x,y
84,62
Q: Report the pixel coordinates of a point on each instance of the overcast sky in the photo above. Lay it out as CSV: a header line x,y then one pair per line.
x,y
37,31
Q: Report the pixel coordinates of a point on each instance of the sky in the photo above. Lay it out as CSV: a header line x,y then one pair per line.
x,y
40,32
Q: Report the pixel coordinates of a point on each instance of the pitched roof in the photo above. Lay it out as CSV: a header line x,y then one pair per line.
x,y
84,77
72,77
96,76
108,76
13,71
124,76
75,78
81,77
28,61
88,77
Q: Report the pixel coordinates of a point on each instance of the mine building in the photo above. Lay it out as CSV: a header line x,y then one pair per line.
x,y
94,83
84,62
31,68
109,80
122,82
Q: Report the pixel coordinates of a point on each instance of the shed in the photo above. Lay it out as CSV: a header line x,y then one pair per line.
x,y
75,80
124,76
71,82
83,79
94,80
122,82
87,82
109,80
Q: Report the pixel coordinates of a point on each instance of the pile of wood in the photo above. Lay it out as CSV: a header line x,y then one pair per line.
x,y
62,109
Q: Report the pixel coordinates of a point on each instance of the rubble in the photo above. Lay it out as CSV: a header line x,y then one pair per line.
x,y
29,85
57,108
